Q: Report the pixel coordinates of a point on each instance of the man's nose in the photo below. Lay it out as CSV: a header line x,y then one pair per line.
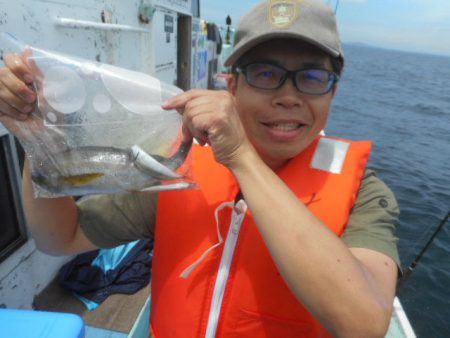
x,y
288,95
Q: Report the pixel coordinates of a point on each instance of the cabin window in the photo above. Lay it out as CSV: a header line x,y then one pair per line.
x,y
12,225
196,8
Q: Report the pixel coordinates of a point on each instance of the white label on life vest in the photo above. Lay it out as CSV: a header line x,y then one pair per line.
x,y
330,155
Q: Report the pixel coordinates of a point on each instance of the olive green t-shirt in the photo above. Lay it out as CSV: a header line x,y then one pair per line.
x,y
111,220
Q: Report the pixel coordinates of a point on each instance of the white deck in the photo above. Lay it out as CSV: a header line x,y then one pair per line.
x,y
400,326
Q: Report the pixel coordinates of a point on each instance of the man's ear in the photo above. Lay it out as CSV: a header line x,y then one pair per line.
x,y
232,84
334,91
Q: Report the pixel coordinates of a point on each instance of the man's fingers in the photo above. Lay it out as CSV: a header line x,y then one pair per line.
x,y
197,127
187,135
18,66
8,110
23,103
16,87
178,102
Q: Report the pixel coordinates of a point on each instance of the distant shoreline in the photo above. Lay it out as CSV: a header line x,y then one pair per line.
x,y
367,45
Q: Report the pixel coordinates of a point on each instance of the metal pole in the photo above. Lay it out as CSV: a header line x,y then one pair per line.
x,y
413,265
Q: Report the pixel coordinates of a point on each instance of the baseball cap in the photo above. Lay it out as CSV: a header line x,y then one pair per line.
x,y
311,21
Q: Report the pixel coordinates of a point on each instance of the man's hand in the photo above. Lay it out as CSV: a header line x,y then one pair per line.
x,y
17,99
211,118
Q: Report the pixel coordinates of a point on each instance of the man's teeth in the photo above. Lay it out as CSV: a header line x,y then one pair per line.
x,y
285,126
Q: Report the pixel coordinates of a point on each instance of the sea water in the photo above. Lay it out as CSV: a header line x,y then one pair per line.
x,y
401,101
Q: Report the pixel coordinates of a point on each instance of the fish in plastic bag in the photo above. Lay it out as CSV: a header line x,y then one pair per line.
x,y
99,129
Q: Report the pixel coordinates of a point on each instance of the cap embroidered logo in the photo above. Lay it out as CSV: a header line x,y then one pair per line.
x,y
283,13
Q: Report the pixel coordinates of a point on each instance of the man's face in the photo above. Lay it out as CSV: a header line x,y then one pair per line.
x,y
281,123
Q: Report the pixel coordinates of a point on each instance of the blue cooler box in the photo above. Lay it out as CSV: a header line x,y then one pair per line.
x,y
40,324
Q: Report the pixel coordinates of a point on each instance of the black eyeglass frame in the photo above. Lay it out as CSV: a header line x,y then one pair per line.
x,y
290,74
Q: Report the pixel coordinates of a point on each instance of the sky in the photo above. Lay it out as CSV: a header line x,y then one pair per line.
x,y
411,25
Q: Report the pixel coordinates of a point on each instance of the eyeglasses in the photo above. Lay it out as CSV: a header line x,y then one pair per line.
x,y
270,76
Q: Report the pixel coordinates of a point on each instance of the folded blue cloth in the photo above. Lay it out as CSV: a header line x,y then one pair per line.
x,y
93,276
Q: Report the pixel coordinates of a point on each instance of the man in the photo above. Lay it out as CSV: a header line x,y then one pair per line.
x,y
288,234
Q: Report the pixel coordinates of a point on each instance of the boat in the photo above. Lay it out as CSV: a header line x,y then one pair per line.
x,y
166,39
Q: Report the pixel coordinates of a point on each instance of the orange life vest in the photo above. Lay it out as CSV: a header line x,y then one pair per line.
x,y
256,301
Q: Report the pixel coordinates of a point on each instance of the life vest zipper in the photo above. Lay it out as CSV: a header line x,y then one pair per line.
x,y
237,219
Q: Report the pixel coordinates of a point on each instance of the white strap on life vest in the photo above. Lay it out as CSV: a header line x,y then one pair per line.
x,y
185,274
330,155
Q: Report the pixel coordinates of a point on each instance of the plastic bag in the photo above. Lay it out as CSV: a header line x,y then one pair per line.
x,y
99,129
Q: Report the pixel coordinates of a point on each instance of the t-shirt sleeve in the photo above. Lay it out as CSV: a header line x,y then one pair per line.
x,y
374,218
112,220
